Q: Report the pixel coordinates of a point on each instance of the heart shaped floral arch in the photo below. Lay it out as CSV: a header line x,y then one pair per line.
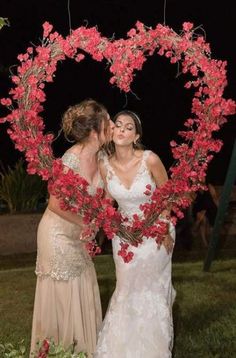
x,y
209,111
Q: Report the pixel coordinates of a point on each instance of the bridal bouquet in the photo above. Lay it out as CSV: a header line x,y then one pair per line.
x,y
96,211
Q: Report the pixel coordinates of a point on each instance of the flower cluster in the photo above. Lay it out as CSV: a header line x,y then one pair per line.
x,y
37,67
209,111
44,349
73,193
47,348
125,56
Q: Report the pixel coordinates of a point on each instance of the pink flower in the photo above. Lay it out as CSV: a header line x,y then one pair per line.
x,y
47,28
15,79
6,101
187,26
18,92
30,50
32,80
131,33
79,57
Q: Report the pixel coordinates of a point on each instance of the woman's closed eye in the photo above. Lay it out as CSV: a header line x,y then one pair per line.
x,y
118,124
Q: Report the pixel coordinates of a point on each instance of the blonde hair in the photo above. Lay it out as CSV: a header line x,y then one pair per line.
x,y
79,120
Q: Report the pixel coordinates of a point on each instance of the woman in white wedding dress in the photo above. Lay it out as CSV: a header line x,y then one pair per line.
x,y
138,322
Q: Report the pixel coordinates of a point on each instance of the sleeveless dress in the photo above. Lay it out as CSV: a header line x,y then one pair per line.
x,y
67,303
138,322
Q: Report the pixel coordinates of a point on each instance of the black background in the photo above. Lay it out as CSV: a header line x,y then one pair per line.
x,y
163,103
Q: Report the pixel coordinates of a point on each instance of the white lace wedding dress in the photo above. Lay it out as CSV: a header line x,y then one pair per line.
x,y
138,322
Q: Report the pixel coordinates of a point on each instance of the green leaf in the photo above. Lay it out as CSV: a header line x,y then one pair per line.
x,y
22,349
4,22
19,190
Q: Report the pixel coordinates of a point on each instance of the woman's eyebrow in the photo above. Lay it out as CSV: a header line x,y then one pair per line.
x,y
126,124
129,124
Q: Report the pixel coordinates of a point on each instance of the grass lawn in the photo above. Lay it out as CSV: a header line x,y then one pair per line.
x,y
204,310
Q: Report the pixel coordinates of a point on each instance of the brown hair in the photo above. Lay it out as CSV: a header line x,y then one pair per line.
x,y
79,120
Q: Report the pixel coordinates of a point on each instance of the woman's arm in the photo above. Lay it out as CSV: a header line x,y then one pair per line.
x,y
157,169
54,205
160,177
158,173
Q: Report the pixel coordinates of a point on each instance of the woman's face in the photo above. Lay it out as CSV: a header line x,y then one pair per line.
x,y
124,132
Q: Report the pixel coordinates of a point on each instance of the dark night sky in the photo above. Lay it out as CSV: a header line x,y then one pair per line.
x,y
164,104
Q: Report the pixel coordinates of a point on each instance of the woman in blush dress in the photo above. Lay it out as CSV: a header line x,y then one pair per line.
x,y
67,304
138,322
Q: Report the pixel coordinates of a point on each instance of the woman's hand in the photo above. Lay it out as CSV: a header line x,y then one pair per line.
x,y
168,243
132,238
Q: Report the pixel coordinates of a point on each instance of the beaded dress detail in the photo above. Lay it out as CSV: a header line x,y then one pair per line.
x,y
67,301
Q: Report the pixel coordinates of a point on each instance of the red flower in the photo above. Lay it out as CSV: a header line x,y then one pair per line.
x,y
6,101
46,345
42,355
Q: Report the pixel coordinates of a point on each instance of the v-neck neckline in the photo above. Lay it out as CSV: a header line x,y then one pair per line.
x,y
134,178
81,173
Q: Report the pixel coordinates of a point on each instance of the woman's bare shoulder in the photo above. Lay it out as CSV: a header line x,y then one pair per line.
x,y
153,159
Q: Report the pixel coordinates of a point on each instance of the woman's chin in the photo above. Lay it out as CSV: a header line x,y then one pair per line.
x,y
121,144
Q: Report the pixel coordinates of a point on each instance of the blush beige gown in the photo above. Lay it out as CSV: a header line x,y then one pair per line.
x,y
67,303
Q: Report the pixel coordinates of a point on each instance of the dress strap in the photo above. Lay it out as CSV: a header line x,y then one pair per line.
x,y
143,165
71,161
146,154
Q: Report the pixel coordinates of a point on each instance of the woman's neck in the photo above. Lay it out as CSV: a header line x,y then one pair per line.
x,y
88,150
124,154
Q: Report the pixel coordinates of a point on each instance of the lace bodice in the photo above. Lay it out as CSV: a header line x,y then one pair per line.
x,y
129,199
61,254
71,160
